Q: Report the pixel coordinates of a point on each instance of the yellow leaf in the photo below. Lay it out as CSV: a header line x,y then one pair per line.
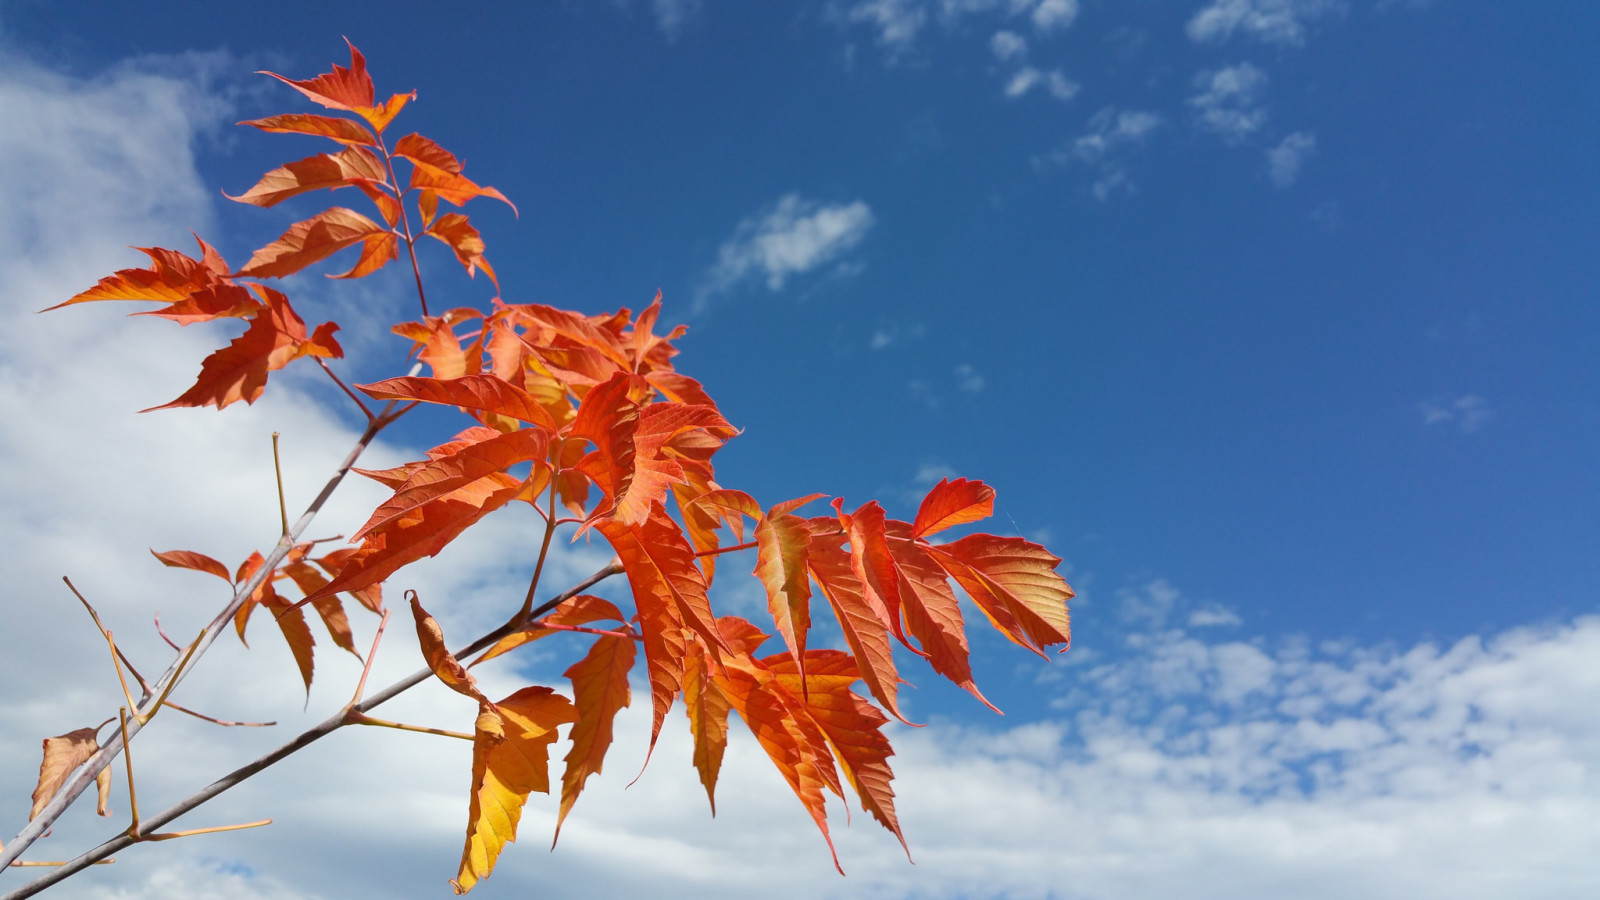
x,y
510,759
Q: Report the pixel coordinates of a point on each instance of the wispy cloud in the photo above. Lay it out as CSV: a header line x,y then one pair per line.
x,y
969,380
673,16
1008,46
1108,132
1054,83
1227,101
1286,159
792,237
1468,413
1281,22
1054,15
897,22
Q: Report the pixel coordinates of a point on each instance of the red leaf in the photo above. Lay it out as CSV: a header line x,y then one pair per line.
x,y
953,503
188,559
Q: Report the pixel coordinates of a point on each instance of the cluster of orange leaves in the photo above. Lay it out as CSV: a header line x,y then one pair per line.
x,y
585,414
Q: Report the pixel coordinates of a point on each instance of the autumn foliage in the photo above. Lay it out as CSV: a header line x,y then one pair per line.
x,y
584,418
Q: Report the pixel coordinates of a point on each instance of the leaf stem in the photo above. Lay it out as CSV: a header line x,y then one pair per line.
x,y
277,471
405,223
719,550
355,718
544,548
340,382
371,654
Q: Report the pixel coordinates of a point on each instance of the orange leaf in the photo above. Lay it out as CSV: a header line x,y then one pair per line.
x,y
448,473
171,278
600,687
707,707
781,542
660,566
292,622
188,559
579,610
423,531
854,728
311,241
439,658
932,612
238,371
377,251
874,567
62,754
861,622
309,581
349,89
342,130
794,743
484,393
425,152
1015,583
952,503
333,562
454,230
510,759
351,165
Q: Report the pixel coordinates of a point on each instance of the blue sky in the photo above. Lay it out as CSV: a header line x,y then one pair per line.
x,y
1276,319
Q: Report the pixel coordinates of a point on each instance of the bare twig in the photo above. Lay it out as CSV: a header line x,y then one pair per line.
x,y
326,727
103,757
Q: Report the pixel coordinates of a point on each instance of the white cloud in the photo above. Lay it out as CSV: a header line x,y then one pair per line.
x,y
1008,45
1027,78
1286,159
1281,22
1227,100
792,237
1468,413
968,379
673,16
1054,15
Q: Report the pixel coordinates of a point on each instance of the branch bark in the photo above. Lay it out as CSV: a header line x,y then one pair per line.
x,y
333,723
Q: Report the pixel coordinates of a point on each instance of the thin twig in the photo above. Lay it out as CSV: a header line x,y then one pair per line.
x,y
371,655
405,222
170,642
544,547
